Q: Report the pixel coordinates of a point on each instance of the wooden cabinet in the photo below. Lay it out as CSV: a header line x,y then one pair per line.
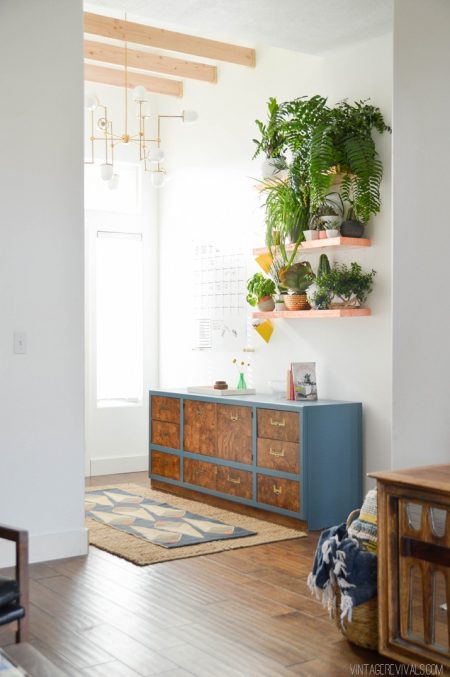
x,y
166,434
200,420
276,455
219,478
278,425
414,564
282,493
165,409
167,465
302,460
234,433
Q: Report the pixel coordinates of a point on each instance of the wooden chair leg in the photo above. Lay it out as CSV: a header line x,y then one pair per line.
x,y
22,574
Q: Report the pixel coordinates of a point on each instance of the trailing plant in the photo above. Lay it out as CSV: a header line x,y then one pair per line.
x,y
258,287
271,141
346,282
297,277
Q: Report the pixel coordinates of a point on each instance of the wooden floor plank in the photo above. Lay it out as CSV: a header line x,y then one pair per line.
x,y
246,613
129,651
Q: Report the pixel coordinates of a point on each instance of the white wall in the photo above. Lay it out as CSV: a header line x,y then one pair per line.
x,y
41,274
117,436
211,194
421,360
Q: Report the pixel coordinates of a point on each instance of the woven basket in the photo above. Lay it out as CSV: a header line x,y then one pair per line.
x,y
296,302
363,630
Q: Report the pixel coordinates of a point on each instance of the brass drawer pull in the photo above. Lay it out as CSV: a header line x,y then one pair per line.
x,y
198,411
234,480
279,424
234,417
279,453
277,490
164,407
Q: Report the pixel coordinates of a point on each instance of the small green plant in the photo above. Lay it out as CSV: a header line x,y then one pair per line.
x,y
348,283
272,142
258,287
298,277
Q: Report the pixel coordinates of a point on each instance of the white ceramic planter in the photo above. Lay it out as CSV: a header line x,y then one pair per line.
x,y
333,232
311,234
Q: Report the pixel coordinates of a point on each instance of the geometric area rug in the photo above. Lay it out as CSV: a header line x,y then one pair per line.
x,y
160,523
133,522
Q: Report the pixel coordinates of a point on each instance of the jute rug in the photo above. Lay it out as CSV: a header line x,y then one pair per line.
x,y
142,552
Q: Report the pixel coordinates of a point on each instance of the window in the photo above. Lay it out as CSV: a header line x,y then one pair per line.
x,y
119,317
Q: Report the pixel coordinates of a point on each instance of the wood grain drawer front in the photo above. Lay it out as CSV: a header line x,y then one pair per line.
x,y
166,434
234,482
165,465
200,427
278,492
234,433
200,473
278,425
278,455
218,478
165,409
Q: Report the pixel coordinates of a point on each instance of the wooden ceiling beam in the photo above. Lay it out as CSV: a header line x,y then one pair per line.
x,y
106,26
111,76
100,51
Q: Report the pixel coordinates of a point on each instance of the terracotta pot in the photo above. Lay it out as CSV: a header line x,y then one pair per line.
x,y
322,234
266,304
296,302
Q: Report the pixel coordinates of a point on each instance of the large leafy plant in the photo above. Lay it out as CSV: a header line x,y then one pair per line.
x,y
322,141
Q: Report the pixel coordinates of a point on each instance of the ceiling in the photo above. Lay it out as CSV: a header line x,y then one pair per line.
x,y
311,26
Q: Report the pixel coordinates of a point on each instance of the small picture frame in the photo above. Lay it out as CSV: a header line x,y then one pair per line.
x,y
304,381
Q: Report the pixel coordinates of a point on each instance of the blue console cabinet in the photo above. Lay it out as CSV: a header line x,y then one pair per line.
x,y
300,459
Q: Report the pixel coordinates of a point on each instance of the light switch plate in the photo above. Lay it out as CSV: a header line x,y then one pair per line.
x,y
20,343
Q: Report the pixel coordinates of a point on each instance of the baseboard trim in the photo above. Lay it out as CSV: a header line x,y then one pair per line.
x,y
46,547
116,466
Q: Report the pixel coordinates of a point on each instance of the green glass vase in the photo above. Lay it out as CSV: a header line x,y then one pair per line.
x,y
241,383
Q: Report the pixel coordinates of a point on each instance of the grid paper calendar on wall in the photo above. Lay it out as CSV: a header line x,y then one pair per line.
x,y
219,295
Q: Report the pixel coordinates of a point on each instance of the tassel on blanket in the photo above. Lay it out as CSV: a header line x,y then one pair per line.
x,y
340,563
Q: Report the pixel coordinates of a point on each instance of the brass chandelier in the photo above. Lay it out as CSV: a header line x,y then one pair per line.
x,y
102,131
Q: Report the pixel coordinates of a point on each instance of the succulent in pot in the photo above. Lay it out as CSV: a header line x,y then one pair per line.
x,y
297,278
260,292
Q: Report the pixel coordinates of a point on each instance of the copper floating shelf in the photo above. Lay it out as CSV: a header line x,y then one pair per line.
x,y
324,243
313,314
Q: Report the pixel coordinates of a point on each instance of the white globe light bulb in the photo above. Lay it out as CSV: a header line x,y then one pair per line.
x,y
106,172
158,179
139,93
156,156
90,102
113,182
190,116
